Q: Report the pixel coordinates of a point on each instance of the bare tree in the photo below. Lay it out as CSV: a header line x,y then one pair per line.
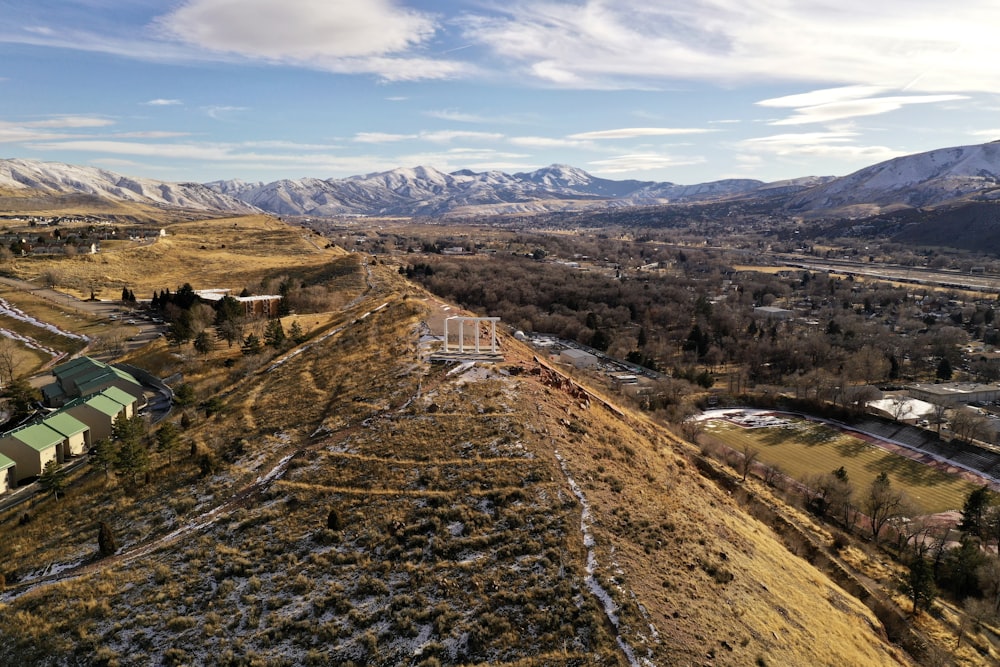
x,y
881,504
9,361
968,425
750,455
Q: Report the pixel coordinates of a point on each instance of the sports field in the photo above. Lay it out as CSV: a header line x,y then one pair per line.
x,y
803,449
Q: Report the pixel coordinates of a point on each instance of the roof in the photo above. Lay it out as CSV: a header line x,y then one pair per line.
x,y
577,354
98,402
119,396
75,367
65,423
37,436
955,388
5,462
95,383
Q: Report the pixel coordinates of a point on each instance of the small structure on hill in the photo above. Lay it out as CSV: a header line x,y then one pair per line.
x,y
477,343
261,305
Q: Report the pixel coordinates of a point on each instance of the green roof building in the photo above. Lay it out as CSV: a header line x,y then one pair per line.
x,y
8,472
98,412
83,377
31,447
76,434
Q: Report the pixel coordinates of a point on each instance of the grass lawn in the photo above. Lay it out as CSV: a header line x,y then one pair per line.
x,y
804,448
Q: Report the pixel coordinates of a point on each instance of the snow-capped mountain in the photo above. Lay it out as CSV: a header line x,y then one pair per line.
x,y
935,178
924,179
59,178
427,191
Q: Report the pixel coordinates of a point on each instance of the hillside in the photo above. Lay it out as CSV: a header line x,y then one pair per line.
x,y
350,502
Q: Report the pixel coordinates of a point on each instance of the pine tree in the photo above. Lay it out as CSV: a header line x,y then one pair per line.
x,y
106,543
103,455
168,440
53,479
203,343
296,334
251,345
274,334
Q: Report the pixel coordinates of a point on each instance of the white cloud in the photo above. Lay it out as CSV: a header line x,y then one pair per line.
x,y
160,102
550,142
845,107
299,30
835,144
347,36
897,44
636,132
638,162
990,135
445,136
71,121
381,137
220,111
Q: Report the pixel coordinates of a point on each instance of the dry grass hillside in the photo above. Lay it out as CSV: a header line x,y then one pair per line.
x,y
348,502
225,252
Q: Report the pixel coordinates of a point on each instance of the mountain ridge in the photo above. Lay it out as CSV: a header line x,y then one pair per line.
x,y
934,178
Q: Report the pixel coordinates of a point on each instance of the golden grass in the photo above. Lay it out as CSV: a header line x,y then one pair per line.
x,y
805,449
455,522
226,253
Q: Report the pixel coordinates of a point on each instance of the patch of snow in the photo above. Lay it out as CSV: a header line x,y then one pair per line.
x,y
16,313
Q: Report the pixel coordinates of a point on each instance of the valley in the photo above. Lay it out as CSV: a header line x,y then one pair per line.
x,y
322,492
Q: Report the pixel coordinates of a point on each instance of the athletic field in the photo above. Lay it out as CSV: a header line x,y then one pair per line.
x,y
803,449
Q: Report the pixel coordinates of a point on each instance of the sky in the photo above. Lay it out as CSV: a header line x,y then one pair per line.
x,y
686,91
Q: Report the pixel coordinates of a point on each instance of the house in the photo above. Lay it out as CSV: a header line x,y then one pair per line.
x,y
578,358
128,402
773,312
76,434
952,393
98,412
83,377
263,305
8,472
31,447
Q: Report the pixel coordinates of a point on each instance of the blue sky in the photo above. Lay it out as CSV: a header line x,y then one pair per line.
x,y
674,90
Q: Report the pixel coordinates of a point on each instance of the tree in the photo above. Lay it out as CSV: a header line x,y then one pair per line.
x,y
168,440
919,584
9,360
106,543
53,478
103,455
274,334
750,455
974,512
296,334
132,457
251,345
881,503
23,398
184,395
944,371
203,343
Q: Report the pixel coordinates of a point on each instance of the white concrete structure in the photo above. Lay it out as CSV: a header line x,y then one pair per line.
x,y
475,342
578,358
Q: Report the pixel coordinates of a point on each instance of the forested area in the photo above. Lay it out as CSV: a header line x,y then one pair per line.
x,y
692,308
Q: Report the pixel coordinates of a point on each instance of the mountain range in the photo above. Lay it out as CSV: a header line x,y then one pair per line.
x,y
935,178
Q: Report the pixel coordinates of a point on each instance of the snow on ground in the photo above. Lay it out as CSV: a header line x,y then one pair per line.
x,y
18,314
607,603
29,342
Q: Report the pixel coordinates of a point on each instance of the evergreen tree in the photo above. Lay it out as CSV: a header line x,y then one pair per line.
x,y
124,295
203,343
919,584
944,371
296,334
132,457
103,455
251,345
274,334
974,511
106,543
53,479
168,440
